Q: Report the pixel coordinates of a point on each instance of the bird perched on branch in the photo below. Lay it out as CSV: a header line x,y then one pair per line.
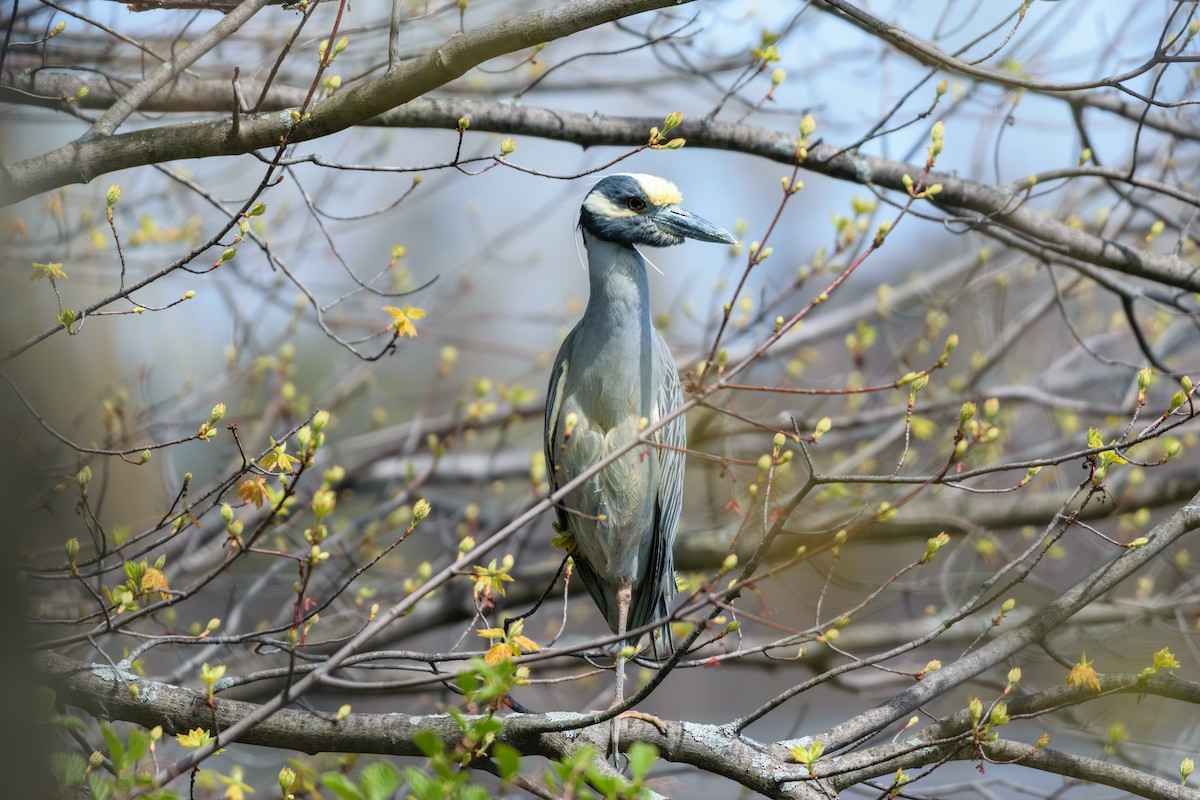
x,y
614,377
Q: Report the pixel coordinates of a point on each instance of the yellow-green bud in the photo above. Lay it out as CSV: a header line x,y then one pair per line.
x,y
933,544
507,145
323,502
421,510
463,123
975,706
113,195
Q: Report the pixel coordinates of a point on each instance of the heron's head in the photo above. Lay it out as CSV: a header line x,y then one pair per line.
x,y
642,209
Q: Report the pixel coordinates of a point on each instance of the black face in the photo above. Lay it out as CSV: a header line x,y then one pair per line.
x,y
619,209
643,209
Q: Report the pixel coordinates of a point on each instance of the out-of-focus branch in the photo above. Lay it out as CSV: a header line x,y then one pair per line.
x,y
1036,628
165,73
949,738
927,54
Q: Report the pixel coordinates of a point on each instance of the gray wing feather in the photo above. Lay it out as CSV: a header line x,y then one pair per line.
x,y
554,401
553,414
658,584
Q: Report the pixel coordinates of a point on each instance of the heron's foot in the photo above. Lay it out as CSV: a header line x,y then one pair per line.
x,y
645,717
614,737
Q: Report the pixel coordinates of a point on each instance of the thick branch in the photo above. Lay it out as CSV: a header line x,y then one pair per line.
x,y
103,692
1002,206
768,770
81,161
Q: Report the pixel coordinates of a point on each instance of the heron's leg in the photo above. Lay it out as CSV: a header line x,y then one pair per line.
x,y
624,595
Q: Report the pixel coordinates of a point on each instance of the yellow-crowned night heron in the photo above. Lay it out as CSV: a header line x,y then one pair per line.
x,y
614,375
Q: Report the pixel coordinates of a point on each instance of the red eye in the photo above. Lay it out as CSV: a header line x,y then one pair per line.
x,y
636,204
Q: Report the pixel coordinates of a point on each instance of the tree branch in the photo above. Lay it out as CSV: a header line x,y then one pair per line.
x,y
764,768
104,692
935,684
81,161
1000,206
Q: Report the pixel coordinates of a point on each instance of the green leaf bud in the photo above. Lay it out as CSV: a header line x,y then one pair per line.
x,y
421,510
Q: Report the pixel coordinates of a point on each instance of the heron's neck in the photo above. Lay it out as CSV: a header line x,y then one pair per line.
x,y
619,296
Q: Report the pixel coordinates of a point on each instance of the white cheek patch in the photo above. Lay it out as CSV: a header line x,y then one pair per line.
x,y
604,208
660,190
